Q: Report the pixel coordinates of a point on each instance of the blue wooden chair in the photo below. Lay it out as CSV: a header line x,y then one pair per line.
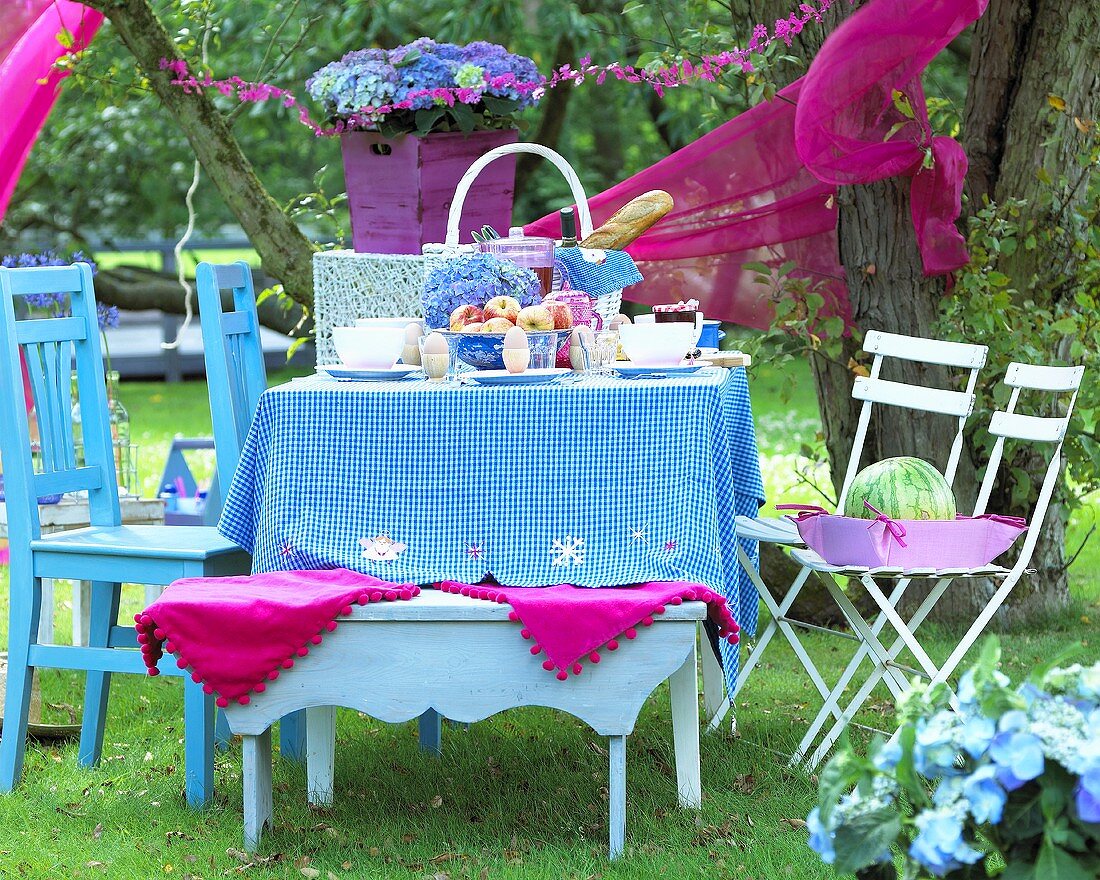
x,y
106,553
236,377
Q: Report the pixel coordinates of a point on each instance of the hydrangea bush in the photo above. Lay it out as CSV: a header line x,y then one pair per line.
x,y
1009,785
57,304
473,279
427,86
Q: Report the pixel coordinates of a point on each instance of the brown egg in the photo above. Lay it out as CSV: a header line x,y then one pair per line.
x,y
516,338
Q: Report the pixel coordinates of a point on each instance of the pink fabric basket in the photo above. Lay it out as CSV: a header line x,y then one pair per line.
x,y
965,542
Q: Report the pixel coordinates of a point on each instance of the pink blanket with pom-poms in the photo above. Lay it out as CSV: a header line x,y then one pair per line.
x,y
572,624
236,633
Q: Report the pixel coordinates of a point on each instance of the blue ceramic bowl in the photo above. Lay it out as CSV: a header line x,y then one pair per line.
x,y
485,351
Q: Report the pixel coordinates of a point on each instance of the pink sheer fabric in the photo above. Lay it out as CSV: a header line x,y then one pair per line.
x,y
29,45
761,187
853,125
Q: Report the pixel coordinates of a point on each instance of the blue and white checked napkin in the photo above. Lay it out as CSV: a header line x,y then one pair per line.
x,y
596,271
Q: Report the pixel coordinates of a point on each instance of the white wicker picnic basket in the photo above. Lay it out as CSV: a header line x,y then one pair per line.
x,y
606,306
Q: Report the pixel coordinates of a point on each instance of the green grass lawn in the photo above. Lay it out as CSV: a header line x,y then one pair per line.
x,y
521,795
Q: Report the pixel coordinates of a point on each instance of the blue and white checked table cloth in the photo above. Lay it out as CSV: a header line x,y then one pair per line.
x,y
596,483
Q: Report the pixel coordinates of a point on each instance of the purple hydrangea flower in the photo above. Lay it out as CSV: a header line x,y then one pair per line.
x,y
57,303
1088,795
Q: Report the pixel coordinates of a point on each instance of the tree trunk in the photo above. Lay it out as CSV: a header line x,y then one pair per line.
x,y
1025,52
133,288
285,251
552,122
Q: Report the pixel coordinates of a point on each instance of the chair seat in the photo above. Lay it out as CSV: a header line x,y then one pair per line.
x,y
772,529
813,561
192,543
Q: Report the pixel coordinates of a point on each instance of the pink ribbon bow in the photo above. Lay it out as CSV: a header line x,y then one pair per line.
x,y
891,527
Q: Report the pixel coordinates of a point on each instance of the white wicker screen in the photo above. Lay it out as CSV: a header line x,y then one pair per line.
x,y
349,285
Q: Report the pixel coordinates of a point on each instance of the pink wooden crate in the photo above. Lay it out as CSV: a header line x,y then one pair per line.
x,y
400,189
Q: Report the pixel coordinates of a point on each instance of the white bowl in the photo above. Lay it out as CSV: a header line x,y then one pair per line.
x,y
388,322
657,345
368,348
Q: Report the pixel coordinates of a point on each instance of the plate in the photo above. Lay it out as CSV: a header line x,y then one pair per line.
x,y
355,374
635,372
527,377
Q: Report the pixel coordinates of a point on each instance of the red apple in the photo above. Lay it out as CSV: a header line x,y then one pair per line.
x,y
502,307
496,325
535,318
464,315
473,328
563,318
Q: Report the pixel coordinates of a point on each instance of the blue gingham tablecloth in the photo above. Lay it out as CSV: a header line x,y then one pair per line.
x,y
596,483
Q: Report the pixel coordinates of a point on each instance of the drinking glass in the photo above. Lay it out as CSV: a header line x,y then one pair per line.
x,y
606,349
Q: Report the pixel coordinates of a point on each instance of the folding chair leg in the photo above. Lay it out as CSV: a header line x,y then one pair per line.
x,y
832,699
976,629
899,624
869,637
864,691
97,687
23,616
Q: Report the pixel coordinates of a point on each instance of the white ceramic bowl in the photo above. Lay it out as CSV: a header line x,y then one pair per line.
x,y
388,322
368,348
657,345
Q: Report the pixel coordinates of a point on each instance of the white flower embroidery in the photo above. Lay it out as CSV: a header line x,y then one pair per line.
x,y
381,548
567,550
640,535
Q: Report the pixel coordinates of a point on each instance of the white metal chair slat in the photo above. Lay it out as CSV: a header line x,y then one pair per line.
x,y
1041,378
937,400
774,530
1037,429
929,351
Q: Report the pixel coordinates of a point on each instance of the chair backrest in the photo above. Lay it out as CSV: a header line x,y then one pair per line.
x,y
873,390
235,372
1009,424
46,347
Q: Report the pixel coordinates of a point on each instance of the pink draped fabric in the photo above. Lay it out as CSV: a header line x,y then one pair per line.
x,y
29,45
761,187
853,125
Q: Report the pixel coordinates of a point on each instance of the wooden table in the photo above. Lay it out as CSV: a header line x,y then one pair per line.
x,y
466,660
71,514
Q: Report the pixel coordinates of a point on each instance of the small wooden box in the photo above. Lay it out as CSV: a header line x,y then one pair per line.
x,y
400,189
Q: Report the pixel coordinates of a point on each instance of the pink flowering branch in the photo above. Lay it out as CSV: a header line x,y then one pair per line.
x,y
706,69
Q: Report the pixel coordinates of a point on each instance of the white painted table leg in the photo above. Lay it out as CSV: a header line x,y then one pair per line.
x,y
320,754
617,795
82,611
714,685
685,732
45,620
256,752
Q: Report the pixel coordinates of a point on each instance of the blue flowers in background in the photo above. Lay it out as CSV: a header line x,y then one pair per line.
x,y
427,86
57,304
1013,772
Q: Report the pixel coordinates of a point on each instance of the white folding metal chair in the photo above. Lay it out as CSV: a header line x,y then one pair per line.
x,y
780,530
1006,424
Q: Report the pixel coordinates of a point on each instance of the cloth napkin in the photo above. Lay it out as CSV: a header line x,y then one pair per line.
x,y
570,624
236,633
596,271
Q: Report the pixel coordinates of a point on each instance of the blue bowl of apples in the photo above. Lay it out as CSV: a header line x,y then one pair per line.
x,y
477,335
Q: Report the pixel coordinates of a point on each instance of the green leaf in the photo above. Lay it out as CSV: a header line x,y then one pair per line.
x,y
464,116
427,118
412,56
1055,863
762,268
500,106
902,104
861,841
840,774
65,37
999,279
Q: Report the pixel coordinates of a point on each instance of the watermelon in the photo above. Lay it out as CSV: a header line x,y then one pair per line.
x,y
901,488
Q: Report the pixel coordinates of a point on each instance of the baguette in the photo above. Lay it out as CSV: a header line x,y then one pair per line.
x,y
630,221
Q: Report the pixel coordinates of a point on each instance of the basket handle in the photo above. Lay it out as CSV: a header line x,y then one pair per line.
x,y
463,189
